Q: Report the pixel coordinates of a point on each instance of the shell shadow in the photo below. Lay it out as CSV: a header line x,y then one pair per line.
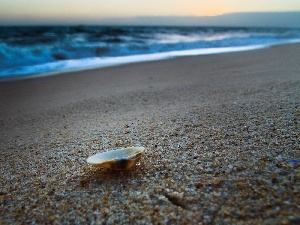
x,y
98,177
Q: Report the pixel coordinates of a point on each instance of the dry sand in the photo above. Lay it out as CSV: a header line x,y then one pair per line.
x,y
221,134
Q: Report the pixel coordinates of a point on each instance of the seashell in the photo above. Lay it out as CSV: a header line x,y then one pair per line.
x,y
118,159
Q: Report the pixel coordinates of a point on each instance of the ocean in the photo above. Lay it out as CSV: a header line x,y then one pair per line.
x,y
40,50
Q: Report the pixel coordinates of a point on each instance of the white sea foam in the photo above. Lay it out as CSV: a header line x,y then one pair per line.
x,y
98,62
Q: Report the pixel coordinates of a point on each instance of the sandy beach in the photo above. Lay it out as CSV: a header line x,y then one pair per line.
x,y
221,134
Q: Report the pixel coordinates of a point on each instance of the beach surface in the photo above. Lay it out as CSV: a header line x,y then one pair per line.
x,y
221,134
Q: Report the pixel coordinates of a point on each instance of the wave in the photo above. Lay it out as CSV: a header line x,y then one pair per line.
x,y
34,50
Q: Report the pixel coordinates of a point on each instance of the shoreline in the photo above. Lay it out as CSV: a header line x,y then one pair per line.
x,y
148,58
220,132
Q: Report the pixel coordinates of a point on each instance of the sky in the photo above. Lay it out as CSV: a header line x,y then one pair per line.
x,y
89,11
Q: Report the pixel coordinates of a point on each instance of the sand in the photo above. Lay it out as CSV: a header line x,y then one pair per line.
x,y
221,134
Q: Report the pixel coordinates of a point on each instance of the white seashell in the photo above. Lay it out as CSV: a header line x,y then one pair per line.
x,y
119,159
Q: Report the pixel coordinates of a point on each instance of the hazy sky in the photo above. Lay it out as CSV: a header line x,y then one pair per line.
x,y
27,11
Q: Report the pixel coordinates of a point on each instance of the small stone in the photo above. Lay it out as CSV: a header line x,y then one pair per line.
x,y
279,158
217,182
84,183
96,205
242,185
105,212
199,185
207,218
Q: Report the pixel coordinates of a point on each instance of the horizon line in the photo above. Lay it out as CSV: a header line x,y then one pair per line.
x,y
148,20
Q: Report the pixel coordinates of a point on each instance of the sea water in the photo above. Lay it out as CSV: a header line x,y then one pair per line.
x,y
27,51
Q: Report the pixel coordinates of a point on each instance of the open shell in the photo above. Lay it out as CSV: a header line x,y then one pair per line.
x,y
119,159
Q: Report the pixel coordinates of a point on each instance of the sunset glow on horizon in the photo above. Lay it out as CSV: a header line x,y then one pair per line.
x,y
94,10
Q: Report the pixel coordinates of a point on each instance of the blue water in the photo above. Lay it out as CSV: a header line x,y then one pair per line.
x,y
27,51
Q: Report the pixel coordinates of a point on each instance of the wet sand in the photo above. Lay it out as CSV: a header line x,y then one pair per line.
x,y
221,134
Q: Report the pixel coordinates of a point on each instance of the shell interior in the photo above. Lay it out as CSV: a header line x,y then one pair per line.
x,y
118,159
